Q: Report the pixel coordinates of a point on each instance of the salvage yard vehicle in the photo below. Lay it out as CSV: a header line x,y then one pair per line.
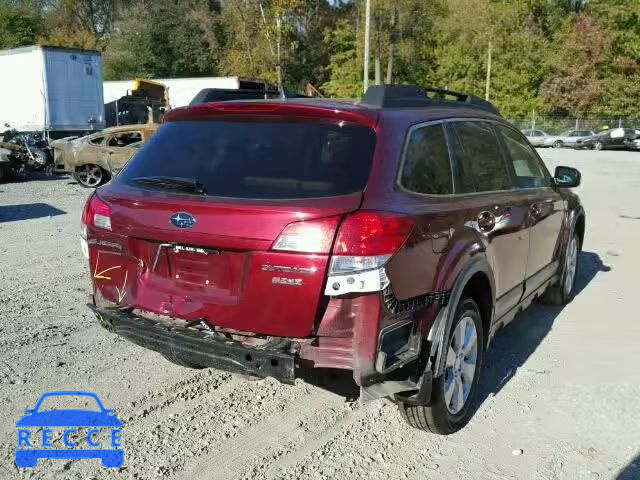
x,y
569,138
614,139
94,159
537,138
391,238
22,152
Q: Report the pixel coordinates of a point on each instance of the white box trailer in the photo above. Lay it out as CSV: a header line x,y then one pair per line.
x,y
51,89
181,90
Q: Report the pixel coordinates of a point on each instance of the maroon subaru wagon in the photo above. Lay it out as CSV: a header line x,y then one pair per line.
x,y
391,238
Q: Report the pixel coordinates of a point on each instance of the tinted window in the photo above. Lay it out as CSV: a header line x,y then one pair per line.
x,y
96,141
259,159
426,164
481,167
528,169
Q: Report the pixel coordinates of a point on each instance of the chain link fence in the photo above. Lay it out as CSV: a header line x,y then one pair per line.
x,y
558,125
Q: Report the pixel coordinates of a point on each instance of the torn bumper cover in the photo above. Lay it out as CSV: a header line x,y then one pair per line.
x,y
201,348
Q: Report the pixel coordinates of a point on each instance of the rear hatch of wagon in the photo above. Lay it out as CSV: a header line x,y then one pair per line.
x,y
232,219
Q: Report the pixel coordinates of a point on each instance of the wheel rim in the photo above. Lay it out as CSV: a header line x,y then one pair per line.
x,y
89,175
460,366
571,264
598,146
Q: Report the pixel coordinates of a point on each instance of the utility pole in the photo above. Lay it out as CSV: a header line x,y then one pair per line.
x,y
367,26
278,66
488,84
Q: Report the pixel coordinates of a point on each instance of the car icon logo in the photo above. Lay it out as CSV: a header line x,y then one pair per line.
x,y
36,437
183,220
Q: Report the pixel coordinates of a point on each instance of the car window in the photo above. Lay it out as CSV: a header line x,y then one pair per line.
x,y
528,133
68,402
96,141
125,138
481,166
259,158
426,164
528,170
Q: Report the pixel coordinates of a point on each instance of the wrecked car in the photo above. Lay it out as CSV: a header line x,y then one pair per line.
x,y
95,158
614,139
390,239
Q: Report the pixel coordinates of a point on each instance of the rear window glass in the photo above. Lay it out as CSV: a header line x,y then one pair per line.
x,y
481,166
427,168
259,159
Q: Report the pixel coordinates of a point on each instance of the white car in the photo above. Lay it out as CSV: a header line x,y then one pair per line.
x,y
537,138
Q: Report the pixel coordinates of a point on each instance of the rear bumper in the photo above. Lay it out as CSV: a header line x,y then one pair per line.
x,y
202,348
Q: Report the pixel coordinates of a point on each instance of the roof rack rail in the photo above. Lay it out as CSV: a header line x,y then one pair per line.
x,y
412,96
207,95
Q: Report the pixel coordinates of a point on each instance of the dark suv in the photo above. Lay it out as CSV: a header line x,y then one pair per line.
x,y
391,238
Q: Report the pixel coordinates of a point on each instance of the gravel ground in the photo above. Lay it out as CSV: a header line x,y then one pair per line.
x,y
559,395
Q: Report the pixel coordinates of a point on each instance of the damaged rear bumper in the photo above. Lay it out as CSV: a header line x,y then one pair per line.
x,y
201,348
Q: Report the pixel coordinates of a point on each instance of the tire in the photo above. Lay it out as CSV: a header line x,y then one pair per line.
x,y
564,291
598,146
558,144
90,175
182,362
439,416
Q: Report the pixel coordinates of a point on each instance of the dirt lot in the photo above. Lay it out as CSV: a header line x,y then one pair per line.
x,y
560,395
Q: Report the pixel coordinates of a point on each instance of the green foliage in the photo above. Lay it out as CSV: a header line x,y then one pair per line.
x,y
343,70
21,23
567,57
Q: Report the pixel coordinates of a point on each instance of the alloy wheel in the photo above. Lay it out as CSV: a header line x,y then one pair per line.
x,y
460,365
89,175
570,266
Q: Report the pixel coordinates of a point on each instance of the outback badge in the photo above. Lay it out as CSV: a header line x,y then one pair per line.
x,y
183,220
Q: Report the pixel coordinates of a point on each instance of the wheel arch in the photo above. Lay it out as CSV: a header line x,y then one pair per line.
x,y
476,280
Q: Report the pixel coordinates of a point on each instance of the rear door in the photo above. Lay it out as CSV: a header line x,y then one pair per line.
x,y
118,150
251,253
494,209
545,206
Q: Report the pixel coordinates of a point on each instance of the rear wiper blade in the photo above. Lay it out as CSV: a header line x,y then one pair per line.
x,y
187,184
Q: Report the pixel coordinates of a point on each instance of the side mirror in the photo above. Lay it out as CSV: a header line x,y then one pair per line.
x,y
567,177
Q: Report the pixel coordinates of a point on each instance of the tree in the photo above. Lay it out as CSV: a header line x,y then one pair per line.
x,y
21,23
162,38
577,84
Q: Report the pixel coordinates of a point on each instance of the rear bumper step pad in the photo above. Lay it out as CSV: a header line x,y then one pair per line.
x,y
200,348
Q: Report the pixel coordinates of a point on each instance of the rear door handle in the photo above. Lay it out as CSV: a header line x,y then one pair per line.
x,y
486,221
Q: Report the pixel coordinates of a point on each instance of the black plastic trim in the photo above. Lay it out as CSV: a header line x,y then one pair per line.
x,y
411,304
203,348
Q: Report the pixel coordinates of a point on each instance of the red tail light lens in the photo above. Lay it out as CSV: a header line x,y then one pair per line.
x,y
97,213
314,236
372,233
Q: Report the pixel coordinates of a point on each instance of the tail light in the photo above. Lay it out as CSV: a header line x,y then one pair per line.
x,y
96,213
363,245
315,236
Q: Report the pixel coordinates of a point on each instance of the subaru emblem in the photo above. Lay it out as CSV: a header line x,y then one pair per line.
x,y
183,220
